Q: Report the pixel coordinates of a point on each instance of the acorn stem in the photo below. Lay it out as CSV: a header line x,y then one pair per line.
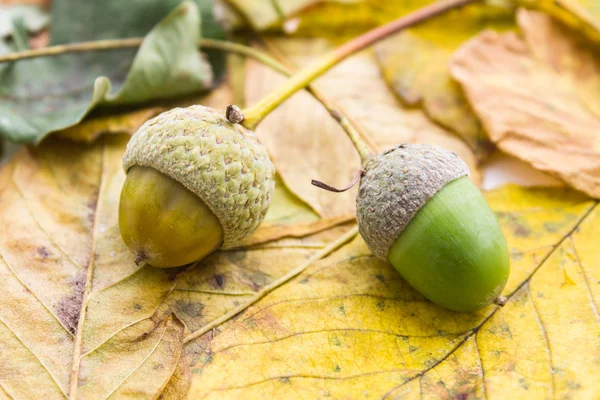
x,y
256,113
330,188
139,257
500,301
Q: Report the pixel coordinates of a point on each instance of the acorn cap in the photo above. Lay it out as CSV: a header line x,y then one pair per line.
x,y
222,163
394,187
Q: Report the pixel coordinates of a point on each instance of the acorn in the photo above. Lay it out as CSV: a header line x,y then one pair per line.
x,y
195,183
222,176
418,209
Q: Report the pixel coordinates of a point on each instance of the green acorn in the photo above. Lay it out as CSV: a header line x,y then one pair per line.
x,y
418,209
195,183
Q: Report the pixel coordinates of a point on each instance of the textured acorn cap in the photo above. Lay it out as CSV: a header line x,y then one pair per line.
x,y
222,163
395,185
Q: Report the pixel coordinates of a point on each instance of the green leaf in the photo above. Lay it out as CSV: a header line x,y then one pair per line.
x,y
40,96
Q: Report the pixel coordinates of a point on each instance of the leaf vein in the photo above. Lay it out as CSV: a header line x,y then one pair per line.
x,y
308,376
546,339
587,282
361,330
33,294
480,360
35,355
48,235
141,362
88,284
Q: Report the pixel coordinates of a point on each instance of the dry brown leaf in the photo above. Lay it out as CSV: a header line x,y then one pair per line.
x,y
415,63
538,99
351,327
306,143
581,15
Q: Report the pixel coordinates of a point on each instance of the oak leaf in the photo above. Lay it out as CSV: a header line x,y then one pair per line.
x,y
554,127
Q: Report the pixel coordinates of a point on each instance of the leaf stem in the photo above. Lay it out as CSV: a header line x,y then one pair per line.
x,y
98,45
254,114
345,238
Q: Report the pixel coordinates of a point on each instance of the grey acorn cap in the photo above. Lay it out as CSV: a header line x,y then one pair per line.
x,y
394,187
222,163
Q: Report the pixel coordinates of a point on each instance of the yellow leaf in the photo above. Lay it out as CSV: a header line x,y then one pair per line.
x,y
337,19
90,129
340,19
351,327
301,126
77,317
415,64
538,97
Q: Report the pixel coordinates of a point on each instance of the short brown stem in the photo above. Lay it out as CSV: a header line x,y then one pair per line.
x,y
330,188
139,257
234,114
500,301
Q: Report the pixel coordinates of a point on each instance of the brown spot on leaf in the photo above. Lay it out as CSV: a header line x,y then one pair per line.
x,y
43,252
218,281
521,231
190,309
91,205
69,307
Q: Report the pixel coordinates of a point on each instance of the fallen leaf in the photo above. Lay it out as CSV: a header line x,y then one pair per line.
x,y
351,327
301,126
415,63
501,169
49,94
74,300
551,126
90,129
340,20
581,15
129,121
331,18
